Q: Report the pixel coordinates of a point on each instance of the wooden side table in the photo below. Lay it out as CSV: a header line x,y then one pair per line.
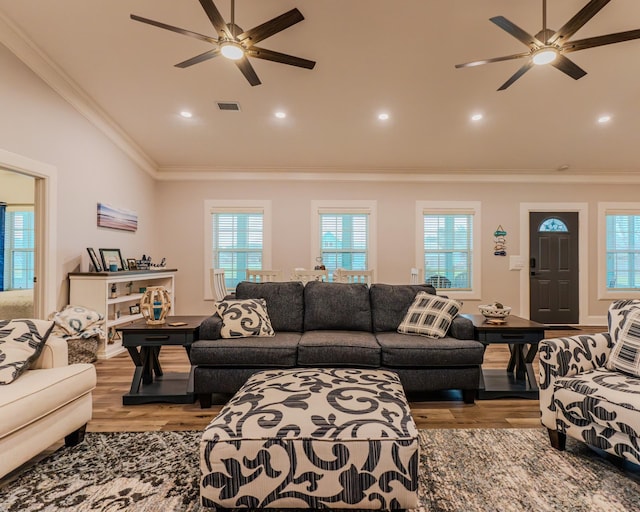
x,y
522,336
144,342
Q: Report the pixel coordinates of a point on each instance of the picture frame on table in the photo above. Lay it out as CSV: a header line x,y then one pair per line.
x,y
94,259
112,256
131,264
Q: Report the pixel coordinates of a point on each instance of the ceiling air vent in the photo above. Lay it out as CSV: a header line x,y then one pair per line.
x,y
229,105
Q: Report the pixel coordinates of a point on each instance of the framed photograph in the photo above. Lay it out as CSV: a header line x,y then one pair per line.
x,y
94,259
134,310
131,263
111,257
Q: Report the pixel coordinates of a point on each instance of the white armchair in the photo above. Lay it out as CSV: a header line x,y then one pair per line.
x,y
48,402
218,284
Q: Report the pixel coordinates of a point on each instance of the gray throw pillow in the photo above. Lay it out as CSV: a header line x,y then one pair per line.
x,y
429,315
21,342
244,318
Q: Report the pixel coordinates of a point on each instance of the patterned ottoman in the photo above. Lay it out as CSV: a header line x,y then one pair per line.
x,y
312,438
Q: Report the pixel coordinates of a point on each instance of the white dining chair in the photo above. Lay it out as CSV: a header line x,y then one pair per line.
x,y
264,276
342,275
416,276
304,276
218,284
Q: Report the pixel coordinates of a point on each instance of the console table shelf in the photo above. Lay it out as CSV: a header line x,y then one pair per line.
x,y
93,290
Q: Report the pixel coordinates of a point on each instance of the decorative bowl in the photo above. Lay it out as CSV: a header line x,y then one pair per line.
x,y
491,311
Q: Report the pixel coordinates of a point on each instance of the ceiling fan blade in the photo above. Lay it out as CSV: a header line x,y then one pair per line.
x,y
516,75
271,27
216,18
577,22
568,67
247,70
516,31
199,58
591,42
495,59
283,58
178,30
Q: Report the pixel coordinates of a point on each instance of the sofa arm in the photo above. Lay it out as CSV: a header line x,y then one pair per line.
x,y
565,357
210,328
461,328
54,354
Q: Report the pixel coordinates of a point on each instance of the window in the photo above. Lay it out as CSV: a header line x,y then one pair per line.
x,y
618,250
553,225
448,247
343,234
19,242
237,239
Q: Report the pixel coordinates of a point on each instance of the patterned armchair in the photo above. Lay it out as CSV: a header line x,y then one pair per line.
x,y
581,397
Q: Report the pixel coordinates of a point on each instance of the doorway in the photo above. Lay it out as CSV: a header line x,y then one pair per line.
x,y
554,267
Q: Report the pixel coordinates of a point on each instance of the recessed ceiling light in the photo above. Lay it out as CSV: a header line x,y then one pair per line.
x,y
476,117
186,114
604,119
280,115
383,117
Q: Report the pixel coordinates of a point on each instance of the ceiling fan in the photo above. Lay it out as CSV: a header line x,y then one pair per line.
x,y
235,44
549,47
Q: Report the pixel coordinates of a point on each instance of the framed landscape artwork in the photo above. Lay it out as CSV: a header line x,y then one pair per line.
x,y
116,218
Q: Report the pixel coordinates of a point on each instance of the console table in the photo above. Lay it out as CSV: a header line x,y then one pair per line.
x,y
144,342
522,336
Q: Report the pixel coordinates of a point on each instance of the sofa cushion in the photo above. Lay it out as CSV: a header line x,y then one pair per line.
x,y
338,348
278,351
607,398
39,392
617,313
403,350
339,306
285,302
244,318
625,354
429,315
390,302
21,342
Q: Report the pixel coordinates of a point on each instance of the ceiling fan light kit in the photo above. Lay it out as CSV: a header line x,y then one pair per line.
x,y
234,43
551,47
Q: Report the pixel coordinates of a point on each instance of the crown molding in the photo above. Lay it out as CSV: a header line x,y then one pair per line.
x,y
424,176
28,52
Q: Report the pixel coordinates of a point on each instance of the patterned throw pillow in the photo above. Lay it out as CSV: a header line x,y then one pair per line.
x,y
429,315
618,311
75,322
21,342
244,318
625,354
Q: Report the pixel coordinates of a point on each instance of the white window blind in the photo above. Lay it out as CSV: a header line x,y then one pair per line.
x,y
19,248
344,238
448,248
237,242
623,250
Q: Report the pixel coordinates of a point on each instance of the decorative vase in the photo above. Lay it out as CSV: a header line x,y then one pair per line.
x,y
155,305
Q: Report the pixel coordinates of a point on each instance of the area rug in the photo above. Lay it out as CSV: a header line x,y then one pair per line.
x,y
461,470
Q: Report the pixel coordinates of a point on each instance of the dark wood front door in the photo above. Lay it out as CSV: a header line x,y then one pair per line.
x,y
553,267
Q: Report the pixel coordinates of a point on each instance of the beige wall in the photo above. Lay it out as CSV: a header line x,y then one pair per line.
x,y
16,188
37,123
183,222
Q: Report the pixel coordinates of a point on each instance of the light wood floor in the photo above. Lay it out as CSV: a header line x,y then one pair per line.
x,y
114,380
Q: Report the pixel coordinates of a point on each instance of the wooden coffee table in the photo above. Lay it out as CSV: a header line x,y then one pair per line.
x,y
522,336
144,342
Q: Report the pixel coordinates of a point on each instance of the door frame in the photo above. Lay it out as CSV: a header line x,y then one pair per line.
x,y
46,215
583,253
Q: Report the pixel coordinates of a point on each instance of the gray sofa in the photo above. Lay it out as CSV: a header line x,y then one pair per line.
x,y
337,325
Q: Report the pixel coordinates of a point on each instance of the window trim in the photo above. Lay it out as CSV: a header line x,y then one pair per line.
x,y
10,249
450,207
369,207
234,205
604,209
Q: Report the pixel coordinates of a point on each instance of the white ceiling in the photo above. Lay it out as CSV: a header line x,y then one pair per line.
x,y
545,120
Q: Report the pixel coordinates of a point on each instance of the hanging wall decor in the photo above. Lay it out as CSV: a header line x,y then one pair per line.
x,y
116,218
500,242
